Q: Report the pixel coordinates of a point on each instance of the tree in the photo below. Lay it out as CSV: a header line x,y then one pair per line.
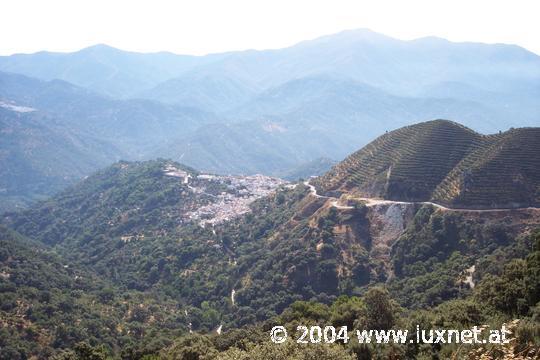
x,y
345,310
83,351
532,274
191,347
106,296
507,292
379,309
289,350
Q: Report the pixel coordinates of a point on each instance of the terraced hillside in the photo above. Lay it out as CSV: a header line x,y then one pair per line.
x,y
447,163
503,172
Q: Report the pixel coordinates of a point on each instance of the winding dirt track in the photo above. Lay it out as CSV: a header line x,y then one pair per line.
x,y
374,202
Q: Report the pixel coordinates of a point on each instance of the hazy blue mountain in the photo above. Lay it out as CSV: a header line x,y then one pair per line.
x,y
407,68
39,157
53,133
394,65
308,169
505,78
104,69
132,125
346,103
311,118
215,93
519,102
243,148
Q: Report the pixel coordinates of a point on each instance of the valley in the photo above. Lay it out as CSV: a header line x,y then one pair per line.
x,y
239,251
156,206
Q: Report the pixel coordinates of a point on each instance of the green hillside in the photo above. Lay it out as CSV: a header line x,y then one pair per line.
x,y
447,163
121,200
48,302
504,171
124,229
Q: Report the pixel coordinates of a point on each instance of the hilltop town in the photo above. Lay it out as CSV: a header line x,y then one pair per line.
x,y
228,195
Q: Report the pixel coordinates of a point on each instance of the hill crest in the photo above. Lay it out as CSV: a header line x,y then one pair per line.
x,y
444,162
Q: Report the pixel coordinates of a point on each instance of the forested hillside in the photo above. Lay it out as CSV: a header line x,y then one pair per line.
x,y
291,257
211,180
49,303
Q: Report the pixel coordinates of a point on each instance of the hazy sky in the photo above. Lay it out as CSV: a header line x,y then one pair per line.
x,y
203,26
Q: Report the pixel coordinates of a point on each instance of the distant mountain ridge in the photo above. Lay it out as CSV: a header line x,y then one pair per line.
x,y
71,132
102,68
214,93
266,111
39,157
502,78
395,66
310,118
447,163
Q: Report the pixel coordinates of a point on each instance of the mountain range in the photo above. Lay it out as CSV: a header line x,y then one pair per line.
x,y
269,111
123,248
